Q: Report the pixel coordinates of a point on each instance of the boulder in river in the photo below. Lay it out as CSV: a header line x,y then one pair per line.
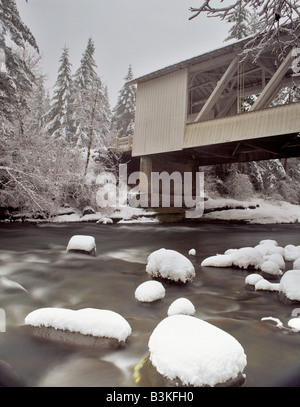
x,y
86,327
82,244
187,351
170,265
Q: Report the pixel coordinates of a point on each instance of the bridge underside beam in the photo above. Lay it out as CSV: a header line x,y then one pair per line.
x,y
281,146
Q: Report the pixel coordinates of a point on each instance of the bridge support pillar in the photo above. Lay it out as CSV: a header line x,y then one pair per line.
x,y
165,174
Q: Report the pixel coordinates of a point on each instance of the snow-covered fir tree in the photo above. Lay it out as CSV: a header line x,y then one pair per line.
x,y
60,117
91,107
15,77
124,112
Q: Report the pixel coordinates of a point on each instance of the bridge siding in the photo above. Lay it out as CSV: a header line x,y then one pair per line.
x,y
262,123
161,114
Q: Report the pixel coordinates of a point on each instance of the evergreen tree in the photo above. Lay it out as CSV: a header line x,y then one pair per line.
x,y
59,118
15,77
240,19
91,107
124,112
90,101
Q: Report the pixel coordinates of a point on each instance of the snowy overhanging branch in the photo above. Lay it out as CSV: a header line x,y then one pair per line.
x,y
277,26
269,11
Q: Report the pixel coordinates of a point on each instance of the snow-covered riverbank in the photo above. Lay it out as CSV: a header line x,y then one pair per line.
x,y
254,211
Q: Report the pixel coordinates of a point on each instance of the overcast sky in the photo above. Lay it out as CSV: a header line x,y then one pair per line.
x,y
148,34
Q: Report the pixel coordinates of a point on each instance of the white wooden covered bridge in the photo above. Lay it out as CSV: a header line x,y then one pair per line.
x,y
217,108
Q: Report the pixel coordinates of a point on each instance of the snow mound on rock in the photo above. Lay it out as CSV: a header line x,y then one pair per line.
x,y
270,267
83,244
196,352
170,265
181,306
290,285
150,291
220,260
88,321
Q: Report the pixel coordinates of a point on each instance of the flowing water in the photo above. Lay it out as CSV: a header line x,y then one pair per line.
x,y
34,256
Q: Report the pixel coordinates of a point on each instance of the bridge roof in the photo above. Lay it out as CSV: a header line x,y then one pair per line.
x,y
232,49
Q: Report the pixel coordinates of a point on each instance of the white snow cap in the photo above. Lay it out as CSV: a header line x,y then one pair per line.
x,y
88,321
294,323
181,306
270,267
220,260
150,291
196,352
291,252
82,243
290,284
296,264
265,285
171,265
252,279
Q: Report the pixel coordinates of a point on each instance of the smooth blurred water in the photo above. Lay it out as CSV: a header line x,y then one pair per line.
x,y
34,256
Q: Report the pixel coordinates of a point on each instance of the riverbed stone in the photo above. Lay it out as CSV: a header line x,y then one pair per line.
x,y
82,244
187,351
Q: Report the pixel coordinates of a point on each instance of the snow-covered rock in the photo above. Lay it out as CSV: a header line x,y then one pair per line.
x,y
252,279
247,257
271,268
82,244
290,285
277,258
291,252
105,221
265,285
188,351
150,291
181,306
294,323
88,322
220,260
171,265
296,264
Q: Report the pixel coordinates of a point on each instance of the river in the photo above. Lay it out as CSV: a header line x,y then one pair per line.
x,y
33,255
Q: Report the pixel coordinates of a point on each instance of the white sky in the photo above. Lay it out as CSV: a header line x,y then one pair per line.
x,y
148,34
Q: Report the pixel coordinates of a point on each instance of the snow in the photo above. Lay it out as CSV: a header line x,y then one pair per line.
x,y
294,323
291,252
194,351
105,221
82,243
246,257
279,324
150,291
277,258
171,265
265,285
88,321
220,260
270,267
296,264
266,213
253,278
181,306
290,284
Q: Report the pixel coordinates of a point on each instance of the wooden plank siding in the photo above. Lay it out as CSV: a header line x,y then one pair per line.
x,y
262,123
161,111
